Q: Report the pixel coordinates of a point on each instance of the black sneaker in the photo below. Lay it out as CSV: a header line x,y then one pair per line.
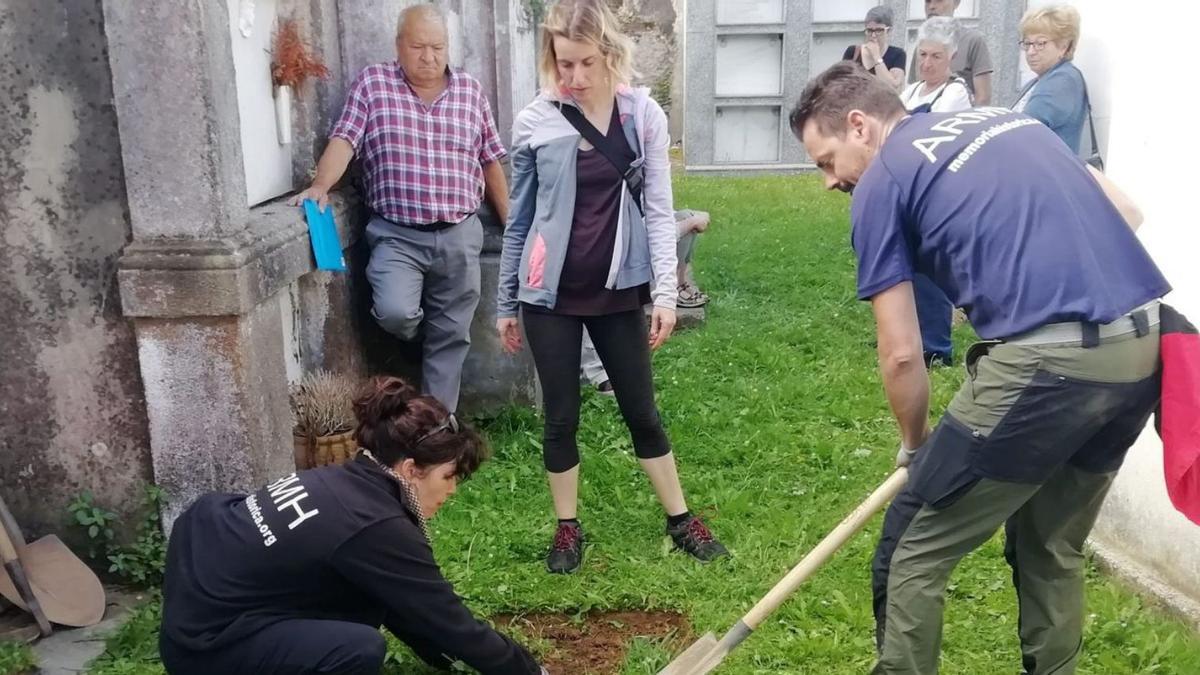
x,y
566,553
605,388
938,360
693,537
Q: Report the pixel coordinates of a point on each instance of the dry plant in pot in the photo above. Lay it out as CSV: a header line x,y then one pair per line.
x,y
293,63
323,407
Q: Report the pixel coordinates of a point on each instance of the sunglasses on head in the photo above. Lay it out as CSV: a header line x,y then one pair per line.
x,y
451,425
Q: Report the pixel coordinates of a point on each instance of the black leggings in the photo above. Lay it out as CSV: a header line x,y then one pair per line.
x,y
621,343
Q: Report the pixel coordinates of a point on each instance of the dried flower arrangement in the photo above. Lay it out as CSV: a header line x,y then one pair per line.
x,y
292,61
323,404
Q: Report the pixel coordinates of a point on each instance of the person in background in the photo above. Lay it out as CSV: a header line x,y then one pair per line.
x,y
875,54
1057,97
590,241
938,88
690,224
297,578
430,152
972,61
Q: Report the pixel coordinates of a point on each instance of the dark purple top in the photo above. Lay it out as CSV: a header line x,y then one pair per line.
x,y
598,188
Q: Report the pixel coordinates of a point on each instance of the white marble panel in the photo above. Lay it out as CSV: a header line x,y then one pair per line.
x,y
827,49
730,12
749,65
268,163
844,10
746,134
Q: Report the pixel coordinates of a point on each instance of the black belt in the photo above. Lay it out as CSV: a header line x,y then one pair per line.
x,y
435,226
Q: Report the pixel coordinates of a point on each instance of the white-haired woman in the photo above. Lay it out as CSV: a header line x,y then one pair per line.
x,y
1058,96
590,240
875,54
938,89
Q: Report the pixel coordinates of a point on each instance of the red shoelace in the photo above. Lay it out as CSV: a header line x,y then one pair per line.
x,y
699,531
566,537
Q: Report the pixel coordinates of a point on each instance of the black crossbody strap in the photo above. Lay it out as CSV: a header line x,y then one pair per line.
x,y
630,174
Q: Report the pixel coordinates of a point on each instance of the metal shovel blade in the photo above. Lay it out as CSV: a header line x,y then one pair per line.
x,y
68,591
693,658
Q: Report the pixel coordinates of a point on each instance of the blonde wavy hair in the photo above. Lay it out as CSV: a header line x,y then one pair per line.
x,y
585,21
1060,22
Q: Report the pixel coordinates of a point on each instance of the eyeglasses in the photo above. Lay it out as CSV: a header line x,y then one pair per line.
x,y
876,31
451,424
1037,46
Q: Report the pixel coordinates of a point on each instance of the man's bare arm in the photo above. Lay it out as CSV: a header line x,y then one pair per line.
x,y
495,188
902,363
330,169
1129,211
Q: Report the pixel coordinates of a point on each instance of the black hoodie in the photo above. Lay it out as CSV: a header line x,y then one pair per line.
x,y
330,543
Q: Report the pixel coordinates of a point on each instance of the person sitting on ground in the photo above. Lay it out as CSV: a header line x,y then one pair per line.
x,y
590,234
298,577
938,88
1057,97
690,224
875,54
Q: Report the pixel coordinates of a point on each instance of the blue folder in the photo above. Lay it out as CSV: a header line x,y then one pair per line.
x,y
326,246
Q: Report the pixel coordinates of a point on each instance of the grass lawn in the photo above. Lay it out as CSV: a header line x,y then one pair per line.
x,y
780,425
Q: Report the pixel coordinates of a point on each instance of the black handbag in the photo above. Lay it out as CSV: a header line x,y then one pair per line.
x,y
632,175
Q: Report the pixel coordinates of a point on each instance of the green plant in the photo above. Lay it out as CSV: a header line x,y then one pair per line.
x,y
141,562
16,659
535,12
97,523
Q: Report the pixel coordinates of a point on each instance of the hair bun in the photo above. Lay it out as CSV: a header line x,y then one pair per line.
x,y
384,397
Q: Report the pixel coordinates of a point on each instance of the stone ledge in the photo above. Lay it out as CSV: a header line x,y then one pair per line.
x,y
685,317
172,278
1112,560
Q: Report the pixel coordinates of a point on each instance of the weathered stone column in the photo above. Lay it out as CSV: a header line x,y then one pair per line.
x,y
206,279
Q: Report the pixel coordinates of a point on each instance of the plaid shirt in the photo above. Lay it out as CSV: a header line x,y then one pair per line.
x,y
423,163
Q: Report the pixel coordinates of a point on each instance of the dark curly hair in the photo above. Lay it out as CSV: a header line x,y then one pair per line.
x,y
393,417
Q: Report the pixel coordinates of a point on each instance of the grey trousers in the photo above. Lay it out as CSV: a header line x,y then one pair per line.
x,y
428,282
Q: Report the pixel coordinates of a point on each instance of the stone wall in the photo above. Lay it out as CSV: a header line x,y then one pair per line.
x,y
72,411
651,25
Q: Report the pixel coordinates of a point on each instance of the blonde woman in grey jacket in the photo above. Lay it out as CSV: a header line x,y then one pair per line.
x,y
590,240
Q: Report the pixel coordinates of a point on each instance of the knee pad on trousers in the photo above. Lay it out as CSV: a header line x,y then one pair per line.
x,y
405,325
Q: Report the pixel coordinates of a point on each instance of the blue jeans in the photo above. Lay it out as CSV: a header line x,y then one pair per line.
x,y
935,313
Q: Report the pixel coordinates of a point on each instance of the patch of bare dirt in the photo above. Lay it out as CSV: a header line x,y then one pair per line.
x,y
596,643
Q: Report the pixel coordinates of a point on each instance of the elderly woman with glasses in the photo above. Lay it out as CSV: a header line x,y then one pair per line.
x,y
875,54
299,576
937,88
1057,97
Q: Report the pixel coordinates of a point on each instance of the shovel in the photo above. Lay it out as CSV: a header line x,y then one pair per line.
x,y
45,579
707,653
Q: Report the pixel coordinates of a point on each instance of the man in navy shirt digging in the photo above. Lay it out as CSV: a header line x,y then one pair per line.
x,y
1040,252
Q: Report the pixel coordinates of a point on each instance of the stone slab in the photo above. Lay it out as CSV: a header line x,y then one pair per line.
x,y
165,278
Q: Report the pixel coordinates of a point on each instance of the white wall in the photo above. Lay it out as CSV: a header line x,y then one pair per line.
x,y
1145,111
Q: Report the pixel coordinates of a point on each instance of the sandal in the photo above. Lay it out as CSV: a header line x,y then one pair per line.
x,y
691,297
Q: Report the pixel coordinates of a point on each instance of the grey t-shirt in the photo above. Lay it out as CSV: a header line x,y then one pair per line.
x,y
971,59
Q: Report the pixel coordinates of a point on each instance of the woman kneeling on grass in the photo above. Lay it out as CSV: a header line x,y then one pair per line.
x,y
298,577
578,252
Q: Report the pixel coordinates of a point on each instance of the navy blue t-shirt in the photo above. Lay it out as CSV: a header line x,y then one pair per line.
x,y
1001,215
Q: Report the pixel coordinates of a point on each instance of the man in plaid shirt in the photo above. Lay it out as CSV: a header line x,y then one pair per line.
x,y
429,148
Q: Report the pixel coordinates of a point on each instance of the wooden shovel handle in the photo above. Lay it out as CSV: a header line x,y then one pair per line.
x,y
825,550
